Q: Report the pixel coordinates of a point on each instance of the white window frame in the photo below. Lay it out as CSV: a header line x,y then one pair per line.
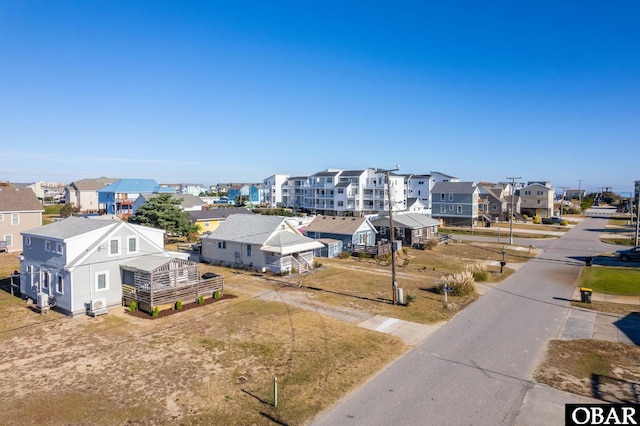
x,y
15,218
451,196
47,245
27,241
443,209
106,280
459,209
136,242
1,217
450,207
248,250
442,197
8,238
59,248
110,247
222,245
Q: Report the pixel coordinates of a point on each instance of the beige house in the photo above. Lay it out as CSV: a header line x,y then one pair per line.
x,y
20,210
536,199
84,193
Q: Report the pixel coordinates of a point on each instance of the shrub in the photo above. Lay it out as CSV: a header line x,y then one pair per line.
x,y
133,306
430,243
405,262
217,295
294,270
383,259
362,255
536,220
409,299
201,300
479,271
317,264
461,283
525,217
405,251
178,304
564,223
344,255
156,312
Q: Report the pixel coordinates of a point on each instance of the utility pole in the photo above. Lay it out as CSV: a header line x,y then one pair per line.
x,y
394,285
564,190
580,191
513,196
637,200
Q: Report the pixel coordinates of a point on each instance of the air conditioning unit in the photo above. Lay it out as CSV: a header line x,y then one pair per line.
x,y
42,300
98,307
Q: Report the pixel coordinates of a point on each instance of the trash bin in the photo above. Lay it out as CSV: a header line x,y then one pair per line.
x,y
585,294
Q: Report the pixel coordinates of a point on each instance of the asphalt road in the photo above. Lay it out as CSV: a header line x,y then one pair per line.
x,y
478,368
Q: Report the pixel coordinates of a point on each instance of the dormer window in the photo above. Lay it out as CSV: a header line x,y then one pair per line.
x,y
47,245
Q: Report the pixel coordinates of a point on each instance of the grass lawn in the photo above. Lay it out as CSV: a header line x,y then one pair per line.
x,y
621,281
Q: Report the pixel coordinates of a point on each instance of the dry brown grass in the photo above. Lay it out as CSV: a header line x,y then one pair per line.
x,y
597,369
216,364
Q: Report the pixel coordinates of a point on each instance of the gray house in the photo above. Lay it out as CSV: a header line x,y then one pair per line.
x,y
455,203
412,229
346,232
77,261
259,242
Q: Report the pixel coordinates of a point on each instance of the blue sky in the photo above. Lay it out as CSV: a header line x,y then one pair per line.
x,y
235,91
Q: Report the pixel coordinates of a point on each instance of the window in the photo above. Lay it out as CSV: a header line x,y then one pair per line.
x,y
8,238
451,207
15,218
27,241
494,206
1,217
537,201
222,245
132,244
362,238
459,209
540,193
114,246
59,285
46,277
59,248
47,245
443,209
450,197
249,250
101,281
441,197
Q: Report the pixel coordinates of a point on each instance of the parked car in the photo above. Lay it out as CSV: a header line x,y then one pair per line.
x,y
629,254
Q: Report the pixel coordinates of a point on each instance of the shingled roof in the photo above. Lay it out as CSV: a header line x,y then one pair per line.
x,y
342,225
19,200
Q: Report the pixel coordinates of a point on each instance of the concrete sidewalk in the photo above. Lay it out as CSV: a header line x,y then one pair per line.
x,y
586,324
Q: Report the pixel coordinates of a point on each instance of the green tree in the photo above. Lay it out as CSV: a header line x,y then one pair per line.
x,y
69,210
163,212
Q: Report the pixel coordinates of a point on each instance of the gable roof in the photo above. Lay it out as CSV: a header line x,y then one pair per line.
x,y
186,200
342,225
457,187
148,263
409,221
272,233
216,214
19,200
124,186
70,227
92,184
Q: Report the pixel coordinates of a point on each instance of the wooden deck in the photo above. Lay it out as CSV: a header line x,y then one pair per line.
x,y
165,298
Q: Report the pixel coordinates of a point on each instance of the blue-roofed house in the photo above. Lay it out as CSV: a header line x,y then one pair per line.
x,y
118,198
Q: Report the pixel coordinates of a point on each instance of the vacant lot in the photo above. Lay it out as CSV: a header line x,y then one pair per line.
x,y
216,364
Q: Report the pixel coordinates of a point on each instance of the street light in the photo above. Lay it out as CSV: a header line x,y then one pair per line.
x,y
394,285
